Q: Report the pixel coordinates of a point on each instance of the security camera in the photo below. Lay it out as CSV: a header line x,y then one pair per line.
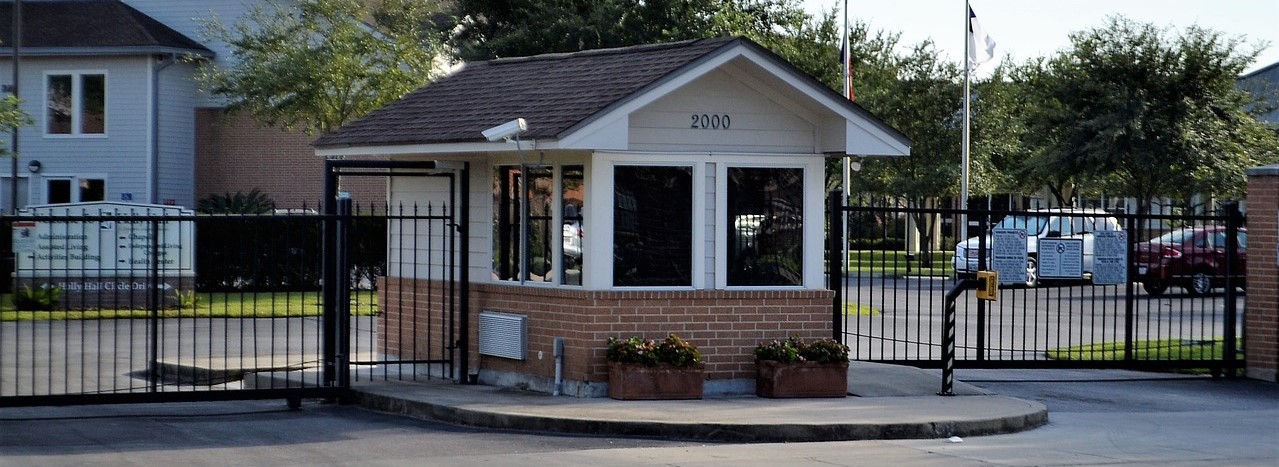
x,y
506,130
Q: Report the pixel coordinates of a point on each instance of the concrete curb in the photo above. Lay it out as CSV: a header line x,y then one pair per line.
x,y
583,417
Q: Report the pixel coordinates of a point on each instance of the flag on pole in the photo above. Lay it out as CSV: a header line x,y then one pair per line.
x,y
981,48
846,59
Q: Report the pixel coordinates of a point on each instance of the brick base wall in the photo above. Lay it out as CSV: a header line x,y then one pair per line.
x,y
233,153
1261,312
724,325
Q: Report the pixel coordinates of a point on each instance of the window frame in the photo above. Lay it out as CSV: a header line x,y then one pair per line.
x,y
77,103
812,169
76,191
729,224
601,262
557,270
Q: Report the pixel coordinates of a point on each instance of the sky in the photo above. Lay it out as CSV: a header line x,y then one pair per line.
x,y
1033,28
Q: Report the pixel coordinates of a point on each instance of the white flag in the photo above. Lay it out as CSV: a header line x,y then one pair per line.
x,y
981,48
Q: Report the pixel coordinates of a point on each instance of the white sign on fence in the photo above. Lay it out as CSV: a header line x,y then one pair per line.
x,y
1008,255
1061,258
1110,257
87,244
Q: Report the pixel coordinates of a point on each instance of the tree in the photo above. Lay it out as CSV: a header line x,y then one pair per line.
x,y
491,29
12,116
1148,114
313,65
920,94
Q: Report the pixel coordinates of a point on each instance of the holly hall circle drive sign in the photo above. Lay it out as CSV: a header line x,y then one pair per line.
x,y
104,254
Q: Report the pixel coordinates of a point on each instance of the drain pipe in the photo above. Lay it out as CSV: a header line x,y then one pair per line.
x,y
559,365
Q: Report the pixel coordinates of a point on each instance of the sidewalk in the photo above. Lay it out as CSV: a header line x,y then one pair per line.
x,y
890,402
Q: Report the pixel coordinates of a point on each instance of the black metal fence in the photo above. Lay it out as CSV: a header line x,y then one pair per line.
x,y
1147,292
150,306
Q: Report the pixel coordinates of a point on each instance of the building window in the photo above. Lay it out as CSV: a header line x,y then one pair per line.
x,y
573,200
528,254
652,226
76,104
58,190
766,226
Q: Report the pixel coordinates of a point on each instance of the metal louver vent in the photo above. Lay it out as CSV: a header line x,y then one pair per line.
x,y
503,335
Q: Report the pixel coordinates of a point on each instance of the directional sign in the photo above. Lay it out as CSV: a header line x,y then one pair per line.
x,y
1061,258
1110,257
1008,256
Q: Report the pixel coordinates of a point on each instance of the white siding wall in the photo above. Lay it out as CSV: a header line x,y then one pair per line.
x,y
120,156
758,124
417,250
177,135
184,16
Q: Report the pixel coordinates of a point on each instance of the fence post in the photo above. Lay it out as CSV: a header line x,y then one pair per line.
x,y
342,293
1130,290
836,264
1234,220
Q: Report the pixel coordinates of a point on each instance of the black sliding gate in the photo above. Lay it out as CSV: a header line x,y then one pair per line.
x,y
891,296
112,303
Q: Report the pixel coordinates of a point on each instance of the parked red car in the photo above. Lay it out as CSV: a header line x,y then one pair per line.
x,y
1191,258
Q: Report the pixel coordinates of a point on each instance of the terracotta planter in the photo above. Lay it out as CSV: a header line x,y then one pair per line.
x,y
801,379
633,381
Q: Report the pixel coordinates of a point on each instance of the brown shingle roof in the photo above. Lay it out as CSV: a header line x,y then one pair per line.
x,y
553,92
90,24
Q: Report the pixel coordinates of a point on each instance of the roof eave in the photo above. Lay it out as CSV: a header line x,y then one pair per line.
x,y
7,52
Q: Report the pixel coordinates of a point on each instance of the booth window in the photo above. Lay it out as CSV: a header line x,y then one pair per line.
x,y
766,222
652,226
534,261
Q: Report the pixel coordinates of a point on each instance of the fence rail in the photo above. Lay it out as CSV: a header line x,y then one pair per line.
x,y
148,308
1177,307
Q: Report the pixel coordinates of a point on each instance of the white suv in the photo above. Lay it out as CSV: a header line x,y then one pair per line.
x,y
1040,223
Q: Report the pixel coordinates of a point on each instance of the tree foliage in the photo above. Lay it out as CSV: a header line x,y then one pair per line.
x,y
492,29
313,65
12,116
1145,113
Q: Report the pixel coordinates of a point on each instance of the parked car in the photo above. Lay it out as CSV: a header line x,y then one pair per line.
x,y
1191,258
1040,223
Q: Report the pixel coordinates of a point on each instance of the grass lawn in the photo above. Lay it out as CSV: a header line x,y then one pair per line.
x,y
853,309
894,262
210,305
1166,349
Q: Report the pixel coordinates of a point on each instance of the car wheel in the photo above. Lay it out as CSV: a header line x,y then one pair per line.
x,y
1032,273
1200,283
1154,288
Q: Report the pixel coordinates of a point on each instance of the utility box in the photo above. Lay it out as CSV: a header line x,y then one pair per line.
x,y
988,285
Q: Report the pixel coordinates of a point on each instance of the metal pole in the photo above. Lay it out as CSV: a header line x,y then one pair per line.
x,y
847,173
835,239
13,142
1234,220
963,189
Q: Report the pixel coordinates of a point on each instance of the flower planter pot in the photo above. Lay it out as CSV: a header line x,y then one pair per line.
x,y
634,381
801,379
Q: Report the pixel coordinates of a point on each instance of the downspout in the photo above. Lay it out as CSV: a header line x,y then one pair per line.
x,y
154,160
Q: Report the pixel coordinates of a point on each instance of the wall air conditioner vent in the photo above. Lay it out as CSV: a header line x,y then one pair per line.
x,y
503,334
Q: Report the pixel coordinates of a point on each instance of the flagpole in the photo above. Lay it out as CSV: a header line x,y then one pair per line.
x,y
847,52
963,192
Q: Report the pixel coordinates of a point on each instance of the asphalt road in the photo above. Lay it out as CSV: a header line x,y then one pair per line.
x,y
1096,418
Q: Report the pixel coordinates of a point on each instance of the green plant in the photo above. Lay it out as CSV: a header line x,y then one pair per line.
x,y
39,299
186,300
672,350
253,202
795,350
